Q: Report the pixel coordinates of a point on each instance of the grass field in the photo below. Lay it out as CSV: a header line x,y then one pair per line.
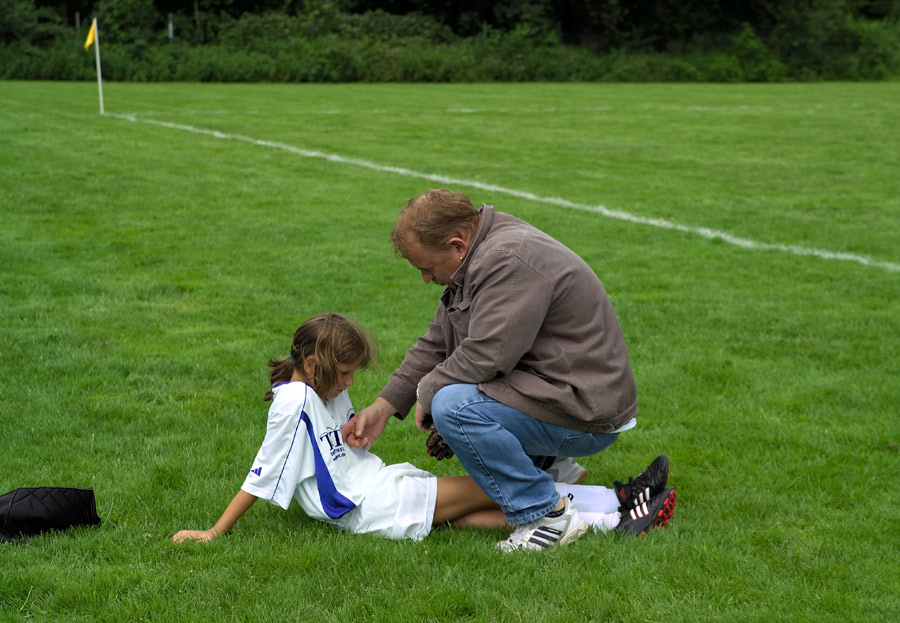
x,y
153,259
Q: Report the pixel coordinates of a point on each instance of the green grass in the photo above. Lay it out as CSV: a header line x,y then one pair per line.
x,y
148,272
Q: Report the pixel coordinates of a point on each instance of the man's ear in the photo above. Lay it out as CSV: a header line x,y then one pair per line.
x,y
459,245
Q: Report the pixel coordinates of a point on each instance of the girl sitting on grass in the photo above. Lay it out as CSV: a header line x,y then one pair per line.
x,y
303,456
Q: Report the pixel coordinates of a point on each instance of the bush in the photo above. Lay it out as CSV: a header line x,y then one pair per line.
x,y
828,43
60,61
21,22
380,26
757,62
878,50
321,44
258,32
128,21
649,67
721,67
411,62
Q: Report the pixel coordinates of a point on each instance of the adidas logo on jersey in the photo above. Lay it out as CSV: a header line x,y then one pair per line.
x,y
257,471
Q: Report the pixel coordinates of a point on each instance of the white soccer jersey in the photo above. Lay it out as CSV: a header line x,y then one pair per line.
x,y
303,457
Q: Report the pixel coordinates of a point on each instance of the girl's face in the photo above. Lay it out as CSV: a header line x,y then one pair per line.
x,y
344,378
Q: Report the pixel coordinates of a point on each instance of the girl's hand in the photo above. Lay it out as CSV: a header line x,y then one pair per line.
x,y
237,507
366,426
204,536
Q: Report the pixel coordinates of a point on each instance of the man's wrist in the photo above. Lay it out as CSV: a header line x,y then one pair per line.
x,y
383,409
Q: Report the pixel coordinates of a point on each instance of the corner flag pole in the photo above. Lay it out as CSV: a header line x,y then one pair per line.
x,y
94,37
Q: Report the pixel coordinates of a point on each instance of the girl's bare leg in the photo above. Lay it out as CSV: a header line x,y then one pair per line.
x,y
462,502
485,520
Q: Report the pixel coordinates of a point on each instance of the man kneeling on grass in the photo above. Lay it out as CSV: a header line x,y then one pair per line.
x,y
523,367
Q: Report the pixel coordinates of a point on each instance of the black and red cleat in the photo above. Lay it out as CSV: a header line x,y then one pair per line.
x,y
649,515
646,485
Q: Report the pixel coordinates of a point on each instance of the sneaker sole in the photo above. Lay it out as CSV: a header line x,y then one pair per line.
x,y
664,514
574,478
575,534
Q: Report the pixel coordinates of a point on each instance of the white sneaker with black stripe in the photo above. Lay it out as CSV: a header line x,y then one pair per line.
x,y
557,528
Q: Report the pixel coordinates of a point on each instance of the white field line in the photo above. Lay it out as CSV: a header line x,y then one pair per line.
x,y
704,232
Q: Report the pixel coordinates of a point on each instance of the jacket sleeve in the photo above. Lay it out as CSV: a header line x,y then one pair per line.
x,y
428,351
507,304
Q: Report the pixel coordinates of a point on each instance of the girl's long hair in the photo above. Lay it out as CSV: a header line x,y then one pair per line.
x,y
332,340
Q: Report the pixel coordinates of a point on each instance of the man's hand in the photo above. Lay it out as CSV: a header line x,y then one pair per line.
x,y
366,426
423,419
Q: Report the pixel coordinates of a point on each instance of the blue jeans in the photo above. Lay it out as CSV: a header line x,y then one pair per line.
x,y
495,444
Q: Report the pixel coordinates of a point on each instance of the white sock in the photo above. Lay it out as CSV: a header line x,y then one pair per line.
x,y
598,506
601,521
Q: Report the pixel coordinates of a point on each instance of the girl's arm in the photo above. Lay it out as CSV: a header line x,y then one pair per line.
x,y
238,506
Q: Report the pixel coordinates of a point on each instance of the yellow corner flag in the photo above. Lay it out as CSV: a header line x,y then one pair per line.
x,y
92,33
93,39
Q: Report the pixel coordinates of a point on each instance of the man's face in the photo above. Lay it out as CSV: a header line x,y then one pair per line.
x,y
435,266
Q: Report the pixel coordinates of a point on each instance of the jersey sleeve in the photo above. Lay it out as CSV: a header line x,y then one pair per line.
x,y
285,457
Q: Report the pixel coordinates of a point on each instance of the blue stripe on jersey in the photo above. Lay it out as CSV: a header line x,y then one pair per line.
x,y
333,501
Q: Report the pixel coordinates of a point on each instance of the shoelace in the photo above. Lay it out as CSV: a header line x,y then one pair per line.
x,y
521,534
639,484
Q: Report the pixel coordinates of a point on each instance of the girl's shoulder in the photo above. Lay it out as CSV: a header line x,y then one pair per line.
x,y
297,396
289,388
292,396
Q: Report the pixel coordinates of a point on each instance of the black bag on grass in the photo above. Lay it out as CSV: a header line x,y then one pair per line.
x,y
31,510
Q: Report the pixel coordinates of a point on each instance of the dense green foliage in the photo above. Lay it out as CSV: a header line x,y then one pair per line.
x,y
432,41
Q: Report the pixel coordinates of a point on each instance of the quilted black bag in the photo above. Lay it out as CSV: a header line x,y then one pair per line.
x,y
32,510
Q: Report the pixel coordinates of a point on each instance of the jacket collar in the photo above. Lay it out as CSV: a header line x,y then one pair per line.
x,y
484,226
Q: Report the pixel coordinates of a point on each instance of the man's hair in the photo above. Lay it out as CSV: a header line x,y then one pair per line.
x,y
433,218
332,340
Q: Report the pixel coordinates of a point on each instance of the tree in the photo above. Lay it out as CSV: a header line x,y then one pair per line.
x,y
22,21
